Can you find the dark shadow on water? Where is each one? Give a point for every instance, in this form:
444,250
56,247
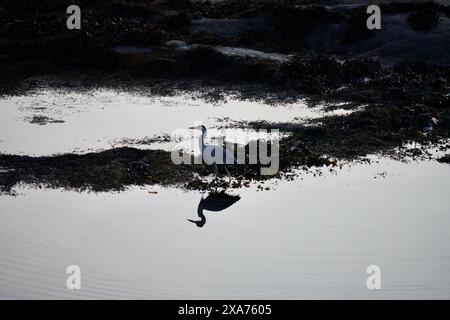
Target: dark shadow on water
215,201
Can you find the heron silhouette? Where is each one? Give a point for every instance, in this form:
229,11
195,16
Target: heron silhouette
215,201
211,152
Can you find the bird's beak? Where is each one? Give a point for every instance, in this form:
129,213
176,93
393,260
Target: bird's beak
191,128
199,223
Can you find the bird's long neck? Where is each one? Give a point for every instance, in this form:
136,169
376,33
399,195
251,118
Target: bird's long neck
200,210
200,223
200,143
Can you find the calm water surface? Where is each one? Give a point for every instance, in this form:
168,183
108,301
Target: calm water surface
312,238
100,119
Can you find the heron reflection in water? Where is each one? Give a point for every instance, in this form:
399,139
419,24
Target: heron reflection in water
215,201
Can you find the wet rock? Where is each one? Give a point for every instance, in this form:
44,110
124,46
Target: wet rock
424,20
159,138
445,159
43,120
113,169
142,36
225,9
356,28
203,59
155,67
122,8
294,23
320,73
32,40
176,20
229,28
32,6
180,4
177,44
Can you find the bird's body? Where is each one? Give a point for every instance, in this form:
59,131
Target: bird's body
213,154
216,201
216,154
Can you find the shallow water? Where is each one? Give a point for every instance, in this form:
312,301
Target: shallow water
310,238
101,119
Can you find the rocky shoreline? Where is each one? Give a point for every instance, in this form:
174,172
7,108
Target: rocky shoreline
257,49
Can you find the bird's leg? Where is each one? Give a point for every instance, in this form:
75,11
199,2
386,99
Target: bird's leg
216,169
228,173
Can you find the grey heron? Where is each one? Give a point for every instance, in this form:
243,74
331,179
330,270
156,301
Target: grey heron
211,152
215,201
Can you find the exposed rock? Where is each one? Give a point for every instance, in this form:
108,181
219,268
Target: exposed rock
445,159
424,20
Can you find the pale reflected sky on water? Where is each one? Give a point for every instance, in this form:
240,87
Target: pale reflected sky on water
312,238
